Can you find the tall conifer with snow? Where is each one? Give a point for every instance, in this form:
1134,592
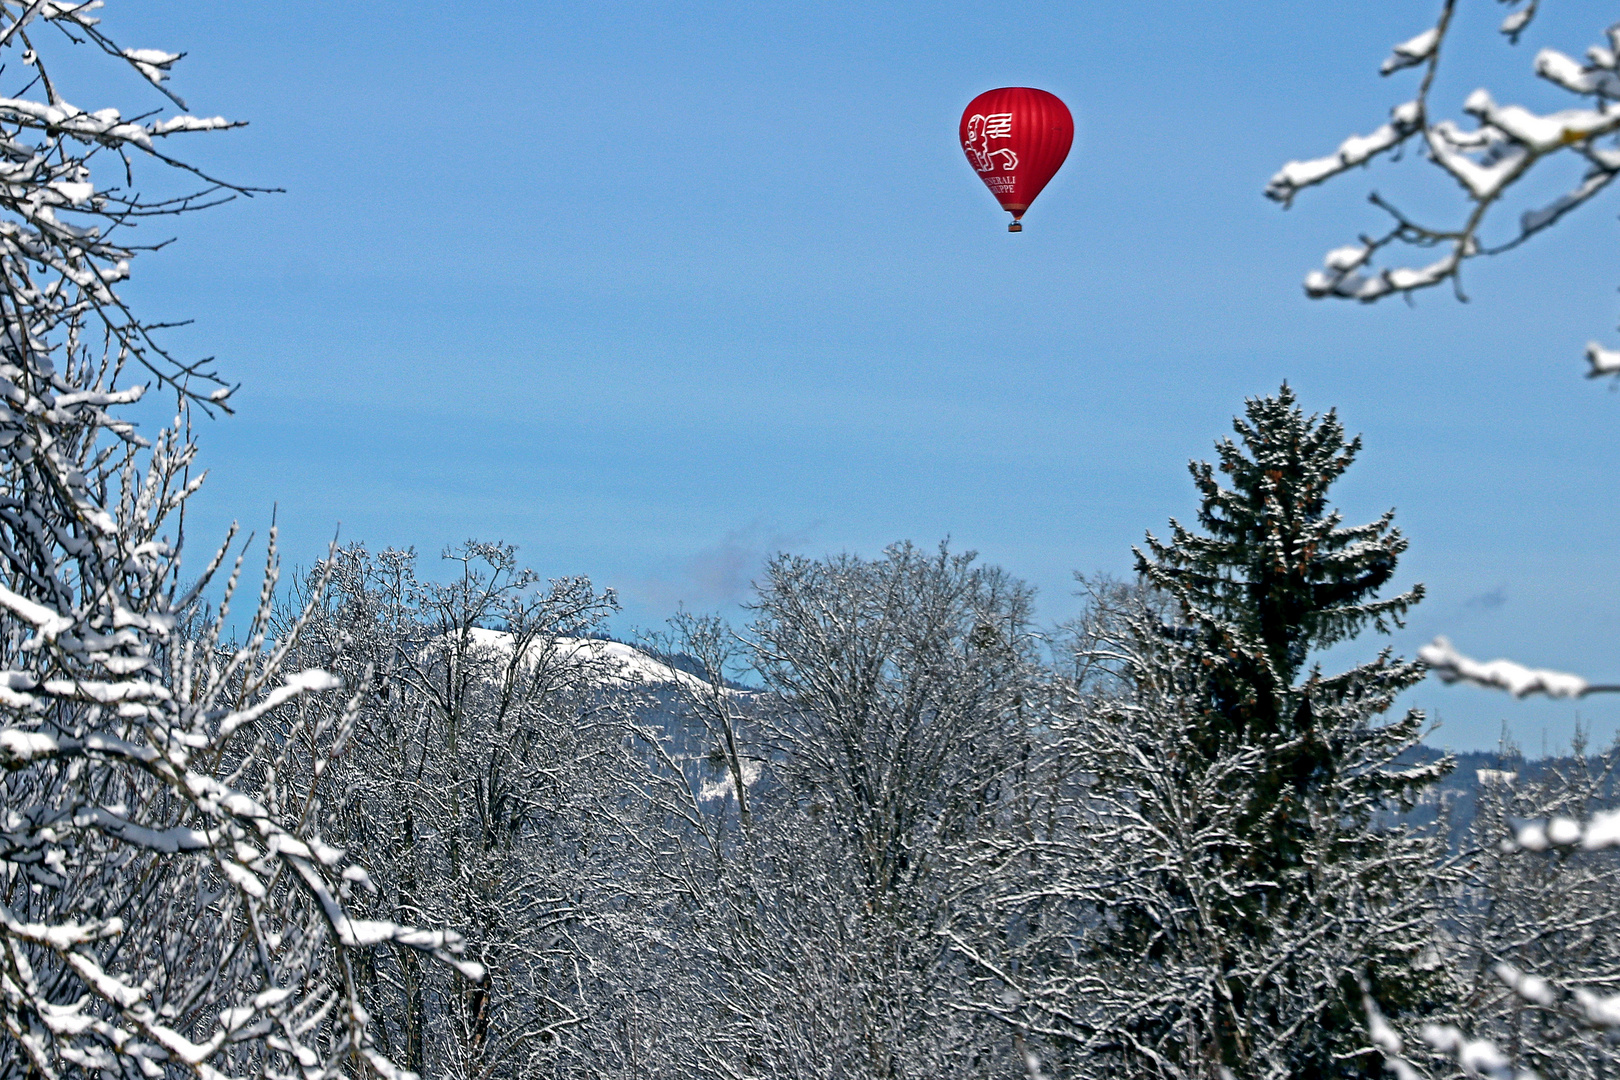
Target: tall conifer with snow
1223,876
1274,576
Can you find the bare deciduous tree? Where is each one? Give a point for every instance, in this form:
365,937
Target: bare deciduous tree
168,905
903,690
490,789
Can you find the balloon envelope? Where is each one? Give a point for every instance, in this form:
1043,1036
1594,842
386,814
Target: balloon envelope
1016,138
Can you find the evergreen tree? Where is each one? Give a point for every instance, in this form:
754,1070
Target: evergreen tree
1274,576
1223,874
1277,576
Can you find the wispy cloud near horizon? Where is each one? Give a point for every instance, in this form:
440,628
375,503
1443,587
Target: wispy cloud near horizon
723,573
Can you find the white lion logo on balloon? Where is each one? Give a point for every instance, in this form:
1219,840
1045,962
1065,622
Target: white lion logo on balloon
981,129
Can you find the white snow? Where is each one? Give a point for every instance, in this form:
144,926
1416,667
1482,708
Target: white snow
715,790
1476,1056
1413,51
1532,220
1517,21
1369,287
153,63
1603,361
74,192
1600,1011
18,746
151,56
1383,1036
1532,988
1348,258
1603,831
623,664
1450,148
1518,680
1563,831
1554,66
50,623
1404,120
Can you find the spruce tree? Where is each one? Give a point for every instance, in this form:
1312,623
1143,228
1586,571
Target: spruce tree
1218,872
1274,576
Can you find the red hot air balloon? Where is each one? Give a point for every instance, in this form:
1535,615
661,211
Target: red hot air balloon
1016,137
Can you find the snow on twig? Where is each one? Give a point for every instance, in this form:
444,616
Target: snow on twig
1412,52
1488,158
1518,680
1603,361
1405,120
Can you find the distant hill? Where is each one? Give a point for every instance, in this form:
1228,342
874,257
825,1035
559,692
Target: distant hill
1459,791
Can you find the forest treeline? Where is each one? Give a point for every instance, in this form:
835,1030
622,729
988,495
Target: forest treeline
891,828
401,821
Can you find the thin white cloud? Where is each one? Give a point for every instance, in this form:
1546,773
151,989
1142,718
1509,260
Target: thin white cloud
723,573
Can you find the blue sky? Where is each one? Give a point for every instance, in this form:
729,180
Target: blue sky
652,289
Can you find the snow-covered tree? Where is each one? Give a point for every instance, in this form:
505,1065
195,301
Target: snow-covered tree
664,874
491,788
896,704
1535,941
1222,873
1549,916
168,905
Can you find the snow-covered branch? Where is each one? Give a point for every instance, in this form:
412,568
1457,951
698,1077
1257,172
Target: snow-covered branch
1486,158
1520,681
